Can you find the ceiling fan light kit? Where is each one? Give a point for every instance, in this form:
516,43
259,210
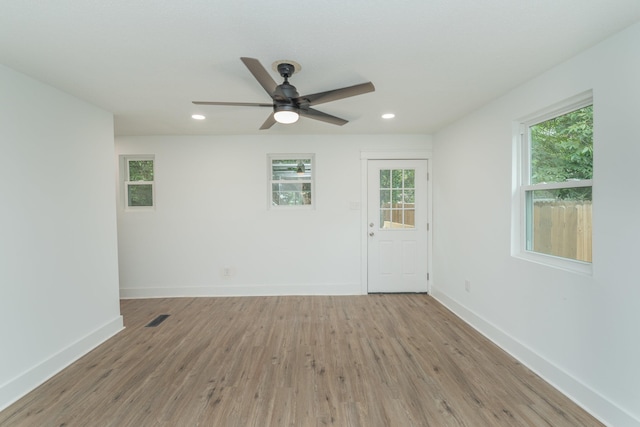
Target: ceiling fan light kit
287,104
285,114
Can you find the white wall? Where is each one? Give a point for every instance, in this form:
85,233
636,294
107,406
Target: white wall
579,332
212,199
58,260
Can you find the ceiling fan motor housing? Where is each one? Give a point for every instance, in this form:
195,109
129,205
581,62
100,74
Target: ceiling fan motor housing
289,91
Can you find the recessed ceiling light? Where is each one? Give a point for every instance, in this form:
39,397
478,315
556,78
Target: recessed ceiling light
388,116
198,117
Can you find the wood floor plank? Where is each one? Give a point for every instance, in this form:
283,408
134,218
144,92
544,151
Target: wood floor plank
357,361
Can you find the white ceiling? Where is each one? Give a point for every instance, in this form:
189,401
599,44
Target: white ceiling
432,61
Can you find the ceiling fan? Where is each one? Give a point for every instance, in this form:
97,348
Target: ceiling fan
287,104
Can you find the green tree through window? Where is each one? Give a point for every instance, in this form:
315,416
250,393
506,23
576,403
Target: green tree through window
139,184
562,150
140,170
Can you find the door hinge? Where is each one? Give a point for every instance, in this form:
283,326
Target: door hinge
427,176
427,226
427,276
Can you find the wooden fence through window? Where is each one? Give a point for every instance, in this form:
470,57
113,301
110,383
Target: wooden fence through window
563,228
398,215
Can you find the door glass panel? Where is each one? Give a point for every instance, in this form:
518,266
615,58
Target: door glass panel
397,192
385,181
385,218
396,178
409,178
385,198
409,218
409,196
396,218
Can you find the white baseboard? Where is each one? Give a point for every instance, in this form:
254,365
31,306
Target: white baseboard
19,386
590,400
242,290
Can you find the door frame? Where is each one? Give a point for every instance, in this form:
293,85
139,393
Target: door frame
365,156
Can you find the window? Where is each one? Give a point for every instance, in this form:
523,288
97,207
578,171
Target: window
139,182
291,182
397,198
556,183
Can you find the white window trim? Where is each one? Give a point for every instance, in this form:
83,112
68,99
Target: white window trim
125,165
520,188
270,180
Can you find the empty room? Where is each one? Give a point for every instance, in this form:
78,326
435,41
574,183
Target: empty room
418,213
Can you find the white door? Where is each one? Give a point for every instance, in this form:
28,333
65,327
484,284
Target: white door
397,225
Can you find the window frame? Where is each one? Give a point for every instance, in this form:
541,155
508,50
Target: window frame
128,183
522,179
270,181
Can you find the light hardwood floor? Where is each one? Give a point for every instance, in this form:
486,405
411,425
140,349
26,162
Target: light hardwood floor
375,360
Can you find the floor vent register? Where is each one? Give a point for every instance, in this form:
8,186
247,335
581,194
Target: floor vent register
155,322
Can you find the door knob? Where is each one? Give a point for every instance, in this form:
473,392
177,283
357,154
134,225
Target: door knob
371,234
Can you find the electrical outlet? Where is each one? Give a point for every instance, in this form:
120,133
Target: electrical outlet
467,285
227,272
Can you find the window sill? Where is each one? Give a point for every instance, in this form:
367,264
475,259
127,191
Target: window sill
291,207
139,208
572,266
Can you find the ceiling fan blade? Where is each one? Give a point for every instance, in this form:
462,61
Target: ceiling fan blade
334,95
236,104
268,123
323,117
262,76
